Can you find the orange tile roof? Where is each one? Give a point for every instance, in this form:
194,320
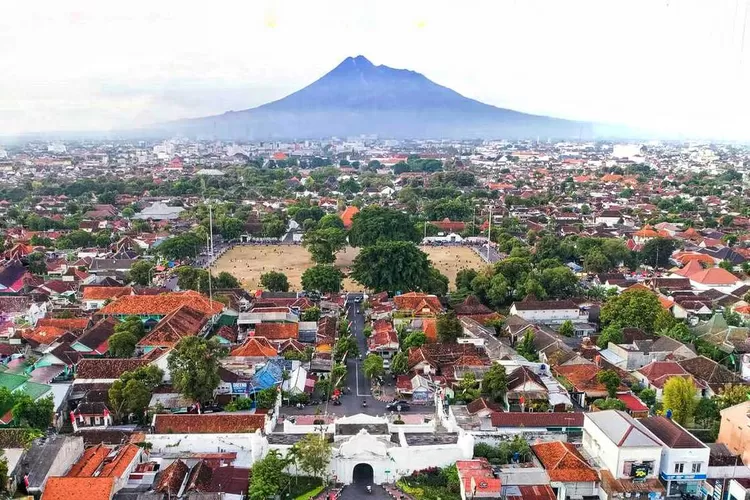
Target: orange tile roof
161,305
182,322
44,334
277,331
693,266
254,347
121,462
105,292
714,276
429,328
347,215
69,324
209,423
685,258
564,463
90,461
76,488
417,301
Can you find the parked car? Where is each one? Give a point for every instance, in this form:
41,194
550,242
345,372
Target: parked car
398,406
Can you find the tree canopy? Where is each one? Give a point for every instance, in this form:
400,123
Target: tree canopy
274,281
632,308
374,224
194,366
392,266
322,278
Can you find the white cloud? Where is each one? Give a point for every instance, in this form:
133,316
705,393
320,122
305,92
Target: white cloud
79,65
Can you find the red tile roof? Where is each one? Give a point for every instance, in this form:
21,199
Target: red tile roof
161,305
105,292
255,347
418,302
90,461
107,368
77,488
121,462
183,322
714,276
171,479
210,423
347,215
429,328
564,463
69,324
277,331
43,334
518,419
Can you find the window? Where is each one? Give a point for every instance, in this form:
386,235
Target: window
696,467
679,468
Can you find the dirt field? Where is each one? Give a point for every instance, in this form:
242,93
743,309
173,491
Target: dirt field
247,263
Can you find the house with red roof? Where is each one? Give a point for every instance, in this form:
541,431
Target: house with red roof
478,480
569,473
384,340
715,277
655,374
347,215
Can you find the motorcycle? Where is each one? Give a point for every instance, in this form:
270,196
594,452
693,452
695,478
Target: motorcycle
369,489
364,404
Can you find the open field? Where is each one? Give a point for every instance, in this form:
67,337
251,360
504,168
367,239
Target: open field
247,263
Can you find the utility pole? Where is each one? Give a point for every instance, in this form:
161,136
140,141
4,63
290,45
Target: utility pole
489,234
211,229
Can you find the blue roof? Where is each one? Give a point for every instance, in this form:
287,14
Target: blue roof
269,375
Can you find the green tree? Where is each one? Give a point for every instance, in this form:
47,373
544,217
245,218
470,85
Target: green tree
131,393
266,398
632,308
338,375
311,314
400,363
414,339
374,224
3,472
706,412
330,221
194,366
34,414
125,337
346,346
314,454
226,280
464,277
559,282
680,397
274,281
231,228
732,394
322,278
449,328
468,389
566,329
183,246
612,333
609,379
526,347
268,478
657,251
192,278
495,382
324,243
391,266
273,226
648,396
664,321
373,366
37,263
596,262
141,272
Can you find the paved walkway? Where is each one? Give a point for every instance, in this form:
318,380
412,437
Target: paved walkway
396,493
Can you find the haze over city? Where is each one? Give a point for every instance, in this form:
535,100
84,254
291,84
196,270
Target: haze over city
668,67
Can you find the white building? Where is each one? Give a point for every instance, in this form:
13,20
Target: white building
549,312
684,459
625,450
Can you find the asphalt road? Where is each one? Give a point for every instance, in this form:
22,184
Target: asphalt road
359,491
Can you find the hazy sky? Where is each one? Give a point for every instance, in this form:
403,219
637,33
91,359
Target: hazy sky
668,64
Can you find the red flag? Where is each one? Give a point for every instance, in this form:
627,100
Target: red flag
106,412
521,400
72,417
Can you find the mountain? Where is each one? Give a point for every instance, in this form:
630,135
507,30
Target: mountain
358,97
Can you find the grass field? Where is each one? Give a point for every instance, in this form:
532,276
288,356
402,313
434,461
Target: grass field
247,263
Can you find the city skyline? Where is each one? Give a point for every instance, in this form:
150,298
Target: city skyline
669,67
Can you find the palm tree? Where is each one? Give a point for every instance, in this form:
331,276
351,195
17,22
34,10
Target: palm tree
292,458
